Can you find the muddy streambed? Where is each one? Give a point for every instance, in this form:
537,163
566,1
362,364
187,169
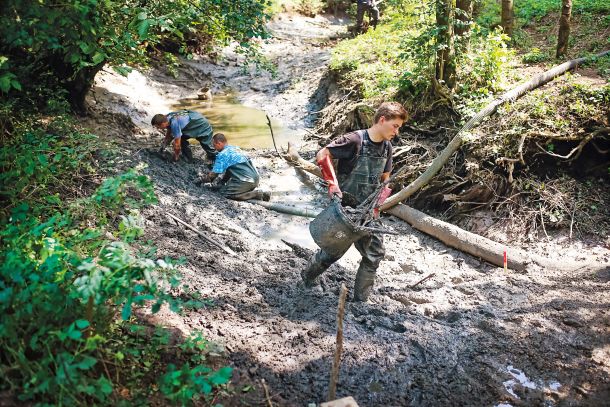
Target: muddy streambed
471,335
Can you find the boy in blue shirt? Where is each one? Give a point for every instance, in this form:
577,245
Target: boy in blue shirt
240,177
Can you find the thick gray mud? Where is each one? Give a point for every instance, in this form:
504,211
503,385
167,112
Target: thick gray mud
467,336
472,335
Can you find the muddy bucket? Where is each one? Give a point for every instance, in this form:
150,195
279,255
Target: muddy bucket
333,231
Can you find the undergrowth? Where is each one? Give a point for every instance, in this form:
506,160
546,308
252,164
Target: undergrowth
396,60
552,146
74,273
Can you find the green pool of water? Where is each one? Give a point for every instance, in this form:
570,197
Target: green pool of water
243,126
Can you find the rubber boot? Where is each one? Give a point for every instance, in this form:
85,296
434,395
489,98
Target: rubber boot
364,284
314,268
187,153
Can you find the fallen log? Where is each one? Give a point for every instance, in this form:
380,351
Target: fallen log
476,245
488,110
456,237
288,209
294,158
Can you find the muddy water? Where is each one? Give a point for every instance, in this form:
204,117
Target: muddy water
244,126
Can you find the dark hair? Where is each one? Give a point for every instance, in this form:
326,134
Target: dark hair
219,138
158,119
391,110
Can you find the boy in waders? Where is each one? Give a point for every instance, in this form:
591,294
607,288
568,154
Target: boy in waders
240,176
180,127
365,160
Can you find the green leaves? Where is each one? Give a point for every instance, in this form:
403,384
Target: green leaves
8,80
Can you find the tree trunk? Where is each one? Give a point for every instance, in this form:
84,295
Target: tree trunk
564,28
445,54
76,83
79,86
456,142
507,17
463,16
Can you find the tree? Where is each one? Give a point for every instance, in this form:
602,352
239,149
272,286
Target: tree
507,17
75,39
445,53
464,14
564,28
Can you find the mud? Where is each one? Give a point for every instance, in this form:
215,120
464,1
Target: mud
471,335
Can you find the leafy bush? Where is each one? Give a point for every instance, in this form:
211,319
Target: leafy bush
481,69
8,80
370,62
481,58
535,56
183,384
63,280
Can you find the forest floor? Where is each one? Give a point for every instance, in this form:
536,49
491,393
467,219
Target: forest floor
472,335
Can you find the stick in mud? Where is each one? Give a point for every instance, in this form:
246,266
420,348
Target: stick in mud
200,233
272,136
334,374
422,280
266,389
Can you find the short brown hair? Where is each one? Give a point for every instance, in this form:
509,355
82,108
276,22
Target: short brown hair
158,119
391,110
219,138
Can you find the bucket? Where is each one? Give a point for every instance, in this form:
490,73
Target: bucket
333,231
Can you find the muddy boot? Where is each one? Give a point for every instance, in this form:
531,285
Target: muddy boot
263,196
313,270
363,285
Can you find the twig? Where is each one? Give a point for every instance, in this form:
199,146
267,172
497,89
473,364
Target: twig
576,150
272,137
204,236
422,280
334,373
266,393
572,219
543,227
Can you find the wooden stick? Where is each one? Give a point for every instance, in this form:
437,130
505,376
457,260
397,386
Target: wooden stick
272,136
334,374
422,280
204,236
266,392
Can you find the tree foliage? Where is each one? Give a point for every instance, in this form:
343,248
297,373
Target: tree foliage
74,39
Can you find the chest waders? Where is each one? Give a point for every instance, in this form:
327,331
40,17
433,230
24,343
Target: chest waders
366,175
356,187
243,179
198,128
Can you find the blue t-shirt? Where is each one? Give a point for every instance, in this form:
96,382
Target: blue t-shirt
230,155
177,123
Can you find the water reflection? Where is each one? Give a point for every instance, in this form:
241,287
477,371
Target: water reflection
244,126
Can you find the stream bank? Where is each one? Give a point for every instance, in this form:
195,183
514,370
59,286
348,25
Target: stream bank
472,335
